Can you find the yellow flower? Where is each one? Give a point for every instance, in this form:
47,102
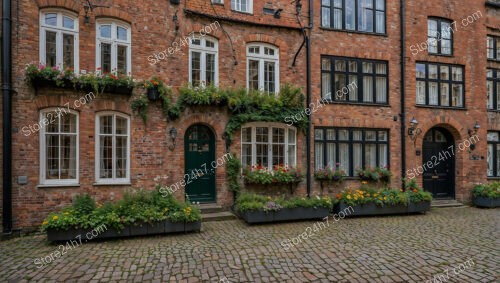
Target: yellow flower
385,198
45,223
364,182
55,217
348,197
166,209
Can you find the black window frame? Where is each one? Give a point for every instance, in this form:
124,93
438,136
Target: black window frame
356,15
359,76
496,81
439,39
450,81
352,171
494,156
496,46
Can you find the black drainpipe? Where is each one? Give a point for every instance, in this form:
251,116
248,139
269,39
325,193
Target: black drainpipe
403,110
7,114
308,99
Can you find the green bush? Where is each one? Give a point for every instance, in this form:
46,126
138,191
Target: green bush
491,190
254,202
385,196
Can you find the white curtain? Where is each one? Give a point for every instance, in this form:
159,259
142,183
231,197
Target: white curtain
330,155
433,93
344,157
367,89
318,155
381,89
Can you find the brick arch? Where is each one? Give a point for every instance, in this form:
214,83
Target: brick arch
67,4
453,126
112,13
197,27
264,38
202,119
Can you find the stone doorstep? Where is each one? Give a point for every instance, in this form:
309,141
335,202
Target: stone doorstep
217,216
443,203
210,208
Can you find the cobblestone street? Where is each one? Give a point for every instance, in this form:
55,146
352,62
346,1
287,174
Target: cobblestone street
453,244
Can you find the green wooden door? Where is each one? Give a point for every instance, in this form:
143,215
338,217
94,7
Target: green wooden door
199,150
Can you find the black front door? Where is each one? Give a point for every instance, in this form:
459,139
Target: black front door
439,163
199,151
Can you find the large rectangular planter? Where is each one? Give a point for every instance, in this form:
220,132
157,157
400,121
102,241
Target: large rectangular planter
420,207
192,226
137,229
486,202
285,214
369,209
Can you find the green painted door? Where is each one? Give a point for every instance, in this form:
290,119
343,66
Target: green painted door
199,150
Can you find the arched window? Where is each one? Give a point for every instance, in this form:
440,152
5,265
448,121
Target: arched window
263,68
268,144
59,39
203,60
112,148
58,147
113,47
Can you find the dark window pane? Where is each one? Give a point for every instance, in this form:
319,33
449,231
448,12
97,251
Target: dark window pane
122,59
105,57
68,51
50,48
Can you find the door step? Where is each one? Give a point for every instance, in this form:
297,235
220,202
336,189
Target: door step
210,208
439,203
217,216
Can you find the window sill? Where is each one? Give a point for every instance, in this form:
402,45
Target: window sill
41,186
112,184
441,55
441,107
493,178
493,60
354,31
494,111
242,12
357,103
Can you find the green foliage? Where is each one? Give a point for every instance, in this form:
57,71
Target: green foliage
281,174
135,207
490,190
255,202
233,167
140,105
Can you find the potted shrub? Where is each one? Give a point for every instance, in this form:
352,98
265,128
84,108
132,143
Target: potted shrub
419,200
375,174
330,175
281,175
486,195
154,87
40,75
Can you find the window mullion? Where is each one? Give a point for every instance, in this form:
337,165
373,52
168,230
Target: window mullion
113,148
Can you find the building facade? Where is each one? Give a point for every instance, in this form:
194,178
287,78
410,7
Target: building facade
374,66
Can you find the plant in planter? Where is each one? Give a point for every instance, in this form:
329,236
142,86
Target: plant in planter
280,175
486,195
330,175
39,75
375,174
155,88
257,208
140,106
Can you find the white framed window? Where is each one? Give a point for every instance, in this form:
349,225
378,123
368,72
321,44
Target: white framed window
59,39
203,60
112,148
113,47
263,68
218,1
268,144
245,6
59,147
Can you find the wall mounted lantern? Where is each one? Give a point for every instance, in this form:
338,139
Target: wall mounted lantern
414,131
89,7
173,136
473,131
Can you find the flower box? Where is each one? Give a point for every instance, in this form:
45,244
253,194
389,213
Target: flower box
138,229
156,228
174,227
55,235
486,202
111,232
153,94
192,226
373,209
285,214
420,207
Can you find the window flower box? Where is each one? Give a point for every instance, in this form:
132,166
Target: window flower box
486,195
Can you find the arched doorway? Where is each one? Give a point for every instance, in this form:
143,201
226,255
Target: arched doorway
439,163
199,155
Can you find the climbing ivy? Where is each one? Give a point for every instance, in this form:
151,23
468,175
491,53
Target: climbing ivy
233,167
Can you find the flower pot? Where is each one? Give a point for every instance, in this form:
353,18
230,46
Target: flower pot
114,233
55,235
283,214
192,226
486,202
138,229
156,228
174,227
153,94
369,209
419,207
315,213
126,90
257,216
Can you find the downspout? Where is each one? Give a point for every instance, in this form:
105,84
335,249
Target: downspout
7,114
308,99
403,77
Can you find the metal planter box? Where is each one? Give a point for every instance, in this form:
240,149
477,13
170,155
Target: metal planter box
421,207
138,229
174,227
370,209
55,235
192,226
156,228
486,202
257,216
285,214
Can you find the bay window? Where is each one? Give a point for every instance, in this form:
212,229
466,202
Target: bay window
59,39
350,149
263,68
113,47
203,61
268,145
112,148
58,147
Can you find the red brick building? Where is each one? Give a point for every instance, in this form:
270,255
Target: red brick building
442,65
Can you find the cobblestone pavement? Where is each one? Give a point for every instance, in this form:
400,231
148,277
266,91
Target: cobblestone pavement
451,245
